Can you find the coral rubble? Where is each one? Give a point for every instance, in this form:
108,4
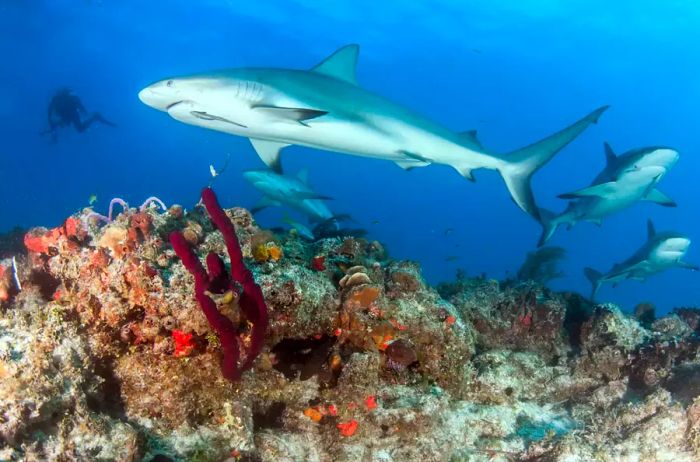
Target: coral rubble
107,354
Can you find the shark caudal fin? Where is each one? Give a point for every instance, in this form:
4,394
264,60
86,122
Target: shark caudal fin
549,223
519,166
594,278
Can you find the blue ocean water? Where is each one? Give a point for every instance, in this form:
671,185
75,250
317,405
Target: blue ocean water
514,70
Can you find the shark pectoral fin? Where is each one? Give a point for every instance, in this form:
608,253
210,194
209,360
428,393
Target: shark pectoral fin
269,152
690,266
660,198
264,203
289,114
303,195
603,189
471,140
341,64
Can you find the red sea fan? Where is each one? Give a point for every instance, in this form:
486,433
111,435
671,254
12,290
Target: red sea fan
215,279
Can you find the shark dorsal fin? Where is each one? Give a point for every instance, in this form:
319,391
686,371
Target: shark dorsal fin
470,136
341,64
303,176
610,156
650,229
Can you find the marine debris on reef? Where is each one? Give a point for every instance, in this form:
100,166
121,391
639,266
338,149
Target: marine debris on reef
105,354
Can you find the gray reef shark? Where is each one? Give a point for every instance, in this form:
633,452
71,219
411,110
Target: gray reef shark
626,179
325,108
661,251
290,191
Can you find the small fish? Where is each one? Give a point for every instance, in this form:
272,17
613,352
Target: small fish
448,231
375,222
92,199
214,172
451,258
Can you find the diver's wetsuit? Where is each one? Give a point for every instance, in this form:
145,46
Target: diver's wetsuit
66,109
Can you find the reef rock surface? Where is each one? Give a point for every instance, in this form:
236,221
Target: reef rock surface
105,355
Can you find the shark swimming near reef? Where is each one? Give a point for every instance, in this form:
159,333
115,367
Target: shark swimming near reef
626,179
325,108
293,192
661,251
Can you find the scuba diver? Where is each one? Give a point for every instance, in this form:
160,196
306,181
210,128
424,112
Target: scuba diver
66,109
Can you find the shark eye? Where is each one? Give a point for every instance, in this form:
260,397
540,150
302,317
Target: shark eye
169,83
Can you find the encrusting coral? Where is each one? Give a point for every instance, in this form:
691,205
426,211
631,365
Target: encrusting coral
113,347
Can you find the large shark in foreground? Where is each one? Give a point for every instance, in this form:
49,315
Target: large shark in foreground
661,251
293,192
324,108
626,179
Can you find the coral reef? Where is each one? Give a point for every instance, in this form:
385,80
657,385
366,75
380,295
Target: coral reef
111,342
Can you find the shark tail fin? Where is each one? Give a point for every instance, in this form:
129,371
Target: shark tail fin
594,277
519,166
549,223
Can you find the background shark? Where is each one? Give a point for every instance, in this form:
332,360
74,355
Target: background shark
324,108
661,251
290,191
626,179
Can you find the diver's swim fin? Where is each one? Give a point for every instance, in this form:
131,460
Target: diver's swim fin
98,118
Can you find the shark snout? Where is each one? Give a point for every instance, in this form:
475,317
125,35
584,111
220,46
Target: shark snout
678,244
665,157
673,249
160,95
254,176
658,157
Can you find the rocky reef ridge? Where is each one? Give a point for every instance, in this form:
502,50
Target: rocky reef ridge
105,355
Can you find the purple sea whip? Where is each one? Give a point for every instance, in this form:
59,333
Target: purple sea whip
215,280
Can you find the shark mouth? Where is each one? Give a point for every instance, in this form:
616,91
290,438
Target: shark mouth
170,106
